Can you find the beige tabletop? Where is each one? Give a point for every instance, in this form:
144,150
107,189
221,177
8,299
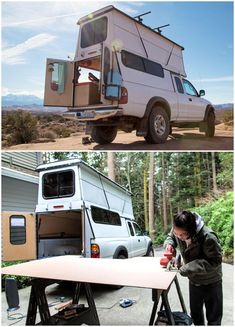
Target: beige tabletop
137,272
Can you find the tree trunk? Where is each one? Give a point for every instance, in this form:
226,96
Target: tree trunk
215,188
111,165
145,201
151,197
164,202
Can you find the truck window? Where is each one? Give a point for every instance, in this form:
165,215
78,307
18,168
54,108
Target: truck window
133,61
17,230
94,32
131,229
138,230
59,184
103,216
179,85
189,88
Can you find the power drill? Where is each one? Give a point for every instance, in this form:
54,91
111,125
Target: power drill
168,255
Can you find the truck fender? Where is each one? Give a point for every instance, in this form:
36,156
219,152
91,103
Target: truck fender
208,109
120,250
143,126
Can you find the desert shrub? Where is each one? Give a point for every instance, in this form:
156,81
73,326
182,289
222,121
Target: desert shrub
49,135
21,127
62,131
228,118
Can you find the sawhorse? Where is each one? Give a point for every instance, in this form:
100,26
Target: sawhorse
38,301
163,294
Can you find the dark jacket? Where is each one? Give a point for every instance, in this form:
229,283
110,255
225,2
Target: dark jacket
202,258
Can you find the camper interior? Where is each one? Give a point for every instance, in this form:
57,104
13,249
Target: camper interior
59,233
87,82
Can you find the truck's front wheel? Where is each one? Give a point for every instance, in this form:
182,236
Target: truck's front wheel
104,134
158,126
210,125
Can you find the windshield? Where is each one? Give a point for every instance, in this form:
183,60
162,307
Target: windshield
94,32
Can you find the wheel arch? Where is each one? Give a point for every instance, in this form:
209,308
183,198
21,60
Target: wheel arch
120,250
150,105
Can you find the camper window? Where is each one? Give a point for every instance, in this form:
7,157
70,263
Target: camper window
103,216
17,230
133,61
58,184
94,32
179,85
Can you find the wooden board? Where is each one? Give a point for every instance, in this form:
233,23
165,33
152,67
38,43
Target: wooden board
137,272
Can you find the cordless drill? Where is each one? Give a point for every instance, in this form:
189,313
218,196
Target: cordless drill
167,256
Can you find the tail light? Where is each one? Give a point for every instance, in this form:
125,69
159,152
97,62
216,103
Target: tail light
124,96
95,251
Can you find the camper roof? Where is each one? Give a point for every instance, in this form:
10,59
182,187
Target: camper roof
74,162
106,9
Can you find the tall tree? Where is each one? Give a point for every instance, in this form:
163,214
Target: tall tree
215,188
164,193
111,165
151,197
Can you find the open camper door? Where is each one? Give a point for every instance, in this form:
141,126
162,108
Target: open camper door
18,236
59,83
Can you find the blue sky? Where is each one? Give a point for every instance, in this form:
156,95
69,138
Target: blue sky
35,30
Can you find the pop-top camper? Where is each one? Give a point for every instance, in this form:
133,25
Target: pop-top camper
80,212
127,76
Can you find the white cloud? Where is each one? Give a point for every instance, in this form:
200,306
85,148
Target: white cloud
38,93
215,79
14,55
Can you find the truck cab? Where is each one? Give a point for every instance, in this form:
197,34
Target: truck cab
126,76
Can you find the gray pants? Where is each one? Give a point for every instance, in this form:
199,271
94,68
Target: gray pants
212,296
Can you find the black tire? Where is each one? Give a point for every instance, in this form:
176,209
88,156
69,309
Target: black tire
158,126
150,252
104,134
210,124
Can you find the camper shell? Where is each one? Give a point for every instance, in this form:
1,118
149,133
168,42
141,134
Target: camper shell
80,212
125,75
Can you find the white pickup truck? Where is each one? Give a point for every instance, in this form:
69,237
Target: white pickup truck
126,76
79,212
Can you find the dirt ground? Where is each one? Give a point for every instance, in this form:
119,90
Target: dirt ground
181,139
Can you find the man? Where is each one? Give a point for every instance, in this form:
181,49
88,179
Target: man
201,252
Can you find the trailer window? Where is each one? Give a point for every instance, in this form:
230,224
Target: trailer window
133,61
17,230
103,216
59,184
94,32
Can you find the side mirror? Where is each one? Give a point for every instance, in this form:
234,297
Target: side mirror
202,93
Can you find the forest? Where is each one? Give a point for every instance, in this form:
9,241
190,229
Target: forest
164,183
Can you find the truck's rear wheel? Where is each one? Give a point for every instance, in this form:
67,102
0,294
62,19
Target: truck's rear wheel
104,134
210,125
158,126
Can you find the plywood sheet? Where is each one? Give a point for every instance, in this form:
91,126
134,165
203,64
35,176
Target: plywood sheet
138,272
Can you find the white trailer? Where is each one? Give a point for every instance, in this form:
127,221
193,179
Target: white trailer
126,76
80,212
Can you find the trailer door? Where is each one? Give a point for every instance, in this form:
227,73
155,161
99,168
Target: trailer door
18,236
59,83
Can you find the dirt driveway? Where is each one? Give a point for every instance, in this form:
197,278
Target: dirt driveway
181,139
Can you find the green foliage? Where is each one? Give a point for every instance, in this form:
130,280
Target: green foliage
21,127
22,281
218,215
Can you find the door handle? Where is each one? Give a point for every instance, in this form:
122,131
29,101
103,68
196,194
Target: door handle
139,240
190,99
